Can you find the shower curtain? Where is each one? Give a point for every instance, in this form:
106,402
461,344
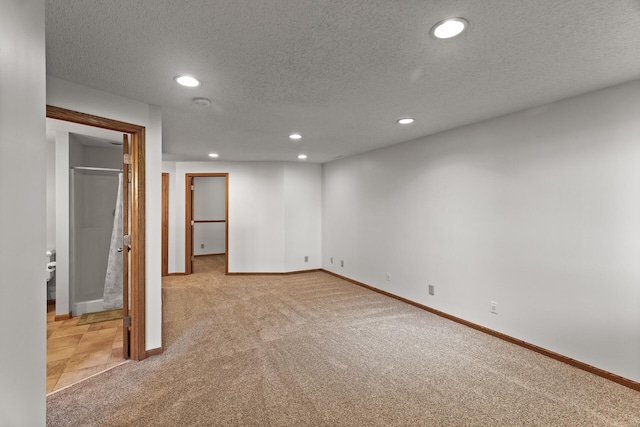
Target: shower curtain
113,279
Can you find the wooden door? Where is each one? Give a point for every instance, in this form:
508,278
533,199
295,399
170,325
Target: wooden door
126,247
165,224
136,222
191,226
190,222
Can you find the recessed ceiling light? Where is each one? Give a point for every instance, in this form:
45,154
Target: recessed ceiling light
295,136
406,121
203,102
302,156
449,28
187,81
214,155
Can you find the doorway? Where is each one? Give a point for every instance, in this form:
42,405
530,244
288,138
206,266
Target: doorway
207,216
133,247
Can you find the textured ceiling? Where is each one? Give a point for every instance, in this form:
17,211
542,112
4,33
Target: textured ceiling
340,72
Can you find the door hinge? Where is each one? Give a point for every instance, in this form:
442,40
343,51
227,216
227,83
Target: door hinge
127,321
126,159
192,187
193,223
126,240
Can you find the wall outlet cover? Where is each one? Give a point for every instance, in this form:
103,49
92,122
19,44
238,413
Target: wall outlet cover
494,307
432,290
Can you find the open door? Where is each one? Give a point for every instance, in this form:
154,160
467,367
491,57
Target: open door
190,225
191,221
165,224
134,261
126,246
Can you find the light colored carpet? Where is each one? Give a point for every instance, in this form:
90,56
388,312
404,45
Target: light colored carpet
313,350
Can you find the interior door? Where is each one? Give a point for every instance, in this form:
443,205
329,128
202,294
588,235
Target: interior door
190,216
165,224
126,247
136,289
192,225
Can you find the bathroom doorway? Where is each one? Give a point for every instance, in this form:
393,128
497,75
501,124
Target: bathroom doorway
132,247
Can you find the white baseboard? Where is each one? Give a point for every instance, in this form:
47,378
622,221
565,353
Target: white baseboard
83,307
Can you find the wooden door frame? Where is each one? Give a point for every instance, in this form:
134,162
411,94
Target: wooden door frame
188,211
138,217
165,224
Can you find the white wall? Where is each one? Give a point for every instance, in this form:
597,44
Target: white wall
76,151
154,228
22,213
302,216
258,231
209,203
63,149
51,193
68,95
538,211
102,157
209,238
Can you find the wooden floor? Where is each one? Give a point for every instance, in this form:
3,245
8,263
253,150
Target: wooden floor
78,352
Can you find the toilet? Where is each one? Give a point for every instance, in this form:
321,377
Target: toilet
51,264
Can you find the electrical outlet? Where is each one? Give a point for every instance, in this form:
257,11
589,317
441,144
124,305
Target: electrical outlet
494,307
341,263
306,259
201,245
432,290
388,276
331,260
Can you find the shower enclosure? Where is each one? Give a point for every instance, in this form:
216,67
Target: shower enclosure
95,235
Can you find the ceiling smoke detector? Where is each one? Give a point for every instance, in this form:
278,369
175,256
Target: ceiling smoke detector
203,102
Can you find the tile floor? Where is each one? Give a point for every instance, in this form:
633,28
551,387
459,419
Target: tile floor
78,352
